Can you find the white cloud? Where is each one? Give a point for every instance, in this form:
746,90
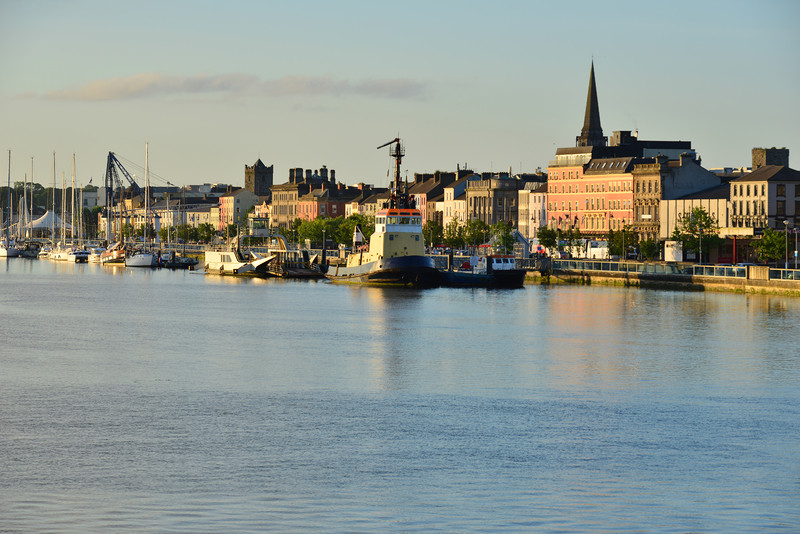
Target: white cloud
156,84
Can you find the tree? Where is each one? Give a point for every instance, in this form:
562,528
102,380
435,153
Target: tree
476,232
347,228
502,234
771,246
548,238
697,230
452,234
433,233
649,249
206,232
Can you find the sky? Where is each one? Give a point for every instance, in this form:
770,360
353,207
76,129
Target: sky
214,86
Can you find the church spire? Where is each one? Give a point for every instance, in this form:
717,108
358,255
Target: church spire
592,132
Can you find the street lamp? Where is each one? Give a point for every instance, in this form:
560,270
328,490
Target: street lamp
786,233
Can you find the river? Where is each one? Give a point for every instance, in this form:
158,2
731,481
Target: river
160,401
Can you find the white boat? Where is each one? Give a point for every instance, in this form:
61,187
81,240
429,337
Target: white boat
95,253
234,262
141,258
8,251
70,254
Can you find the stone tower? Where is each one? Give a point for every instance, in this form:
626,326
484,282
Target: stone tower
258,178
592,132
770,156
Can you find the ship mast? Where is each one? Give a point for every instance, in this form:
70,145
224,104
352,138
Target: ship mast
400,198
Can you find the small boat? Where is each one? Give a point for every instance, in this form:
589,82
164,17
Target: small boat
115,254
69,254
173,261
141,258
95,253
236,262
492,271
8,250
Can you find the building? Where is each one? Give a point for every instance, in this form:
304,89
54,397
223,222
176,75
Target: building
593,186
765,198
493,198
532,212
427,189
233,205
258,178
454,203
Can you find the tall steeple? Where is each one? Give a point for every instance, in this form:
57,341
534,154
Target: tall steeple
592,132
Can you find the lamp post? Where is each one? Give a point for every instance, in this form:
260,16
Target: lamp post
786,233
796,231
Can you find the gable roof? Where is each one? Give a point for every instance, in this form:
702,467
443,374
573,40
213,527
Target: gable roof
770,173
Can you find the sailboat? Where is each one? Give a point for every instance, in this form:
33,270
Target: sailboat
144,258
7,249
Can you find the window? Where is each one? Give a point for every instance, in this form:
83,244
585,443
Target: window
781,209
748,190
781,190
762,190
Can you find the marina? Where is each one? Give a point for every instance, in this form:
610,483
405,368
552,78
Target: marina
240,403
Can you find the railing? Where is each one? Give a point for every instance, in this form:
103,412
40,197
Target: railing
784,274
621,266
738,271
717,271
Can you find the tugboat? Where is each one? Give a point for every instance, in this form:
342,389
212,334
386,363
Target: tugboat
396,253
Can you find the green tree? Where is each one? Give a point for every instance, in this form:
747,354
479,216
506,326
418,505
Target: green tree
453,234
127,231
344,234
771,246
232,230
548,238
476,232
206,232
433,233
621,242
503,239
649,249
697,231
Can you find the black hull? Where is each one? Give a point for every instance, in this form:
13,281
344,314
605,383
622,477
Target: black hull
403,271
506,279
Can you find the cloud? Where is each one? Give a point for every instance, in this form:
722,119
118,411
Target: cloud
148,85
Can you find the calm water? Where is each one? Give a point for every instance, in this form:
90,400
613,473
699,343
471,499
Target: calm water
137,400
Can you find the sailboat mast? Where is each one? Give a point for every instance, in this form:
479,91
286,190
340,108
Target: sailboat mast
53,222
146,189
63,208
23,216
31,197
72,202
8,206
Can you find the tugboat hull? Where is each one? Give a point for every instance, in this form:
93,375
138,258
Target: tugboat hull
406,271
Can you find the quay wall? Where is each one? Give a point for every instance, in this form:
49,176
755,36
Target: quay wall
754,284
